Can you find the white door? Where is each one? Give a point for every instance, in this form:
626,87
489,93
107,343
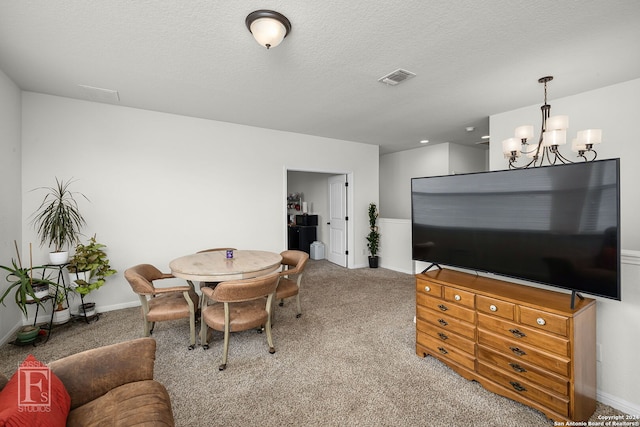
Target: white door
337,251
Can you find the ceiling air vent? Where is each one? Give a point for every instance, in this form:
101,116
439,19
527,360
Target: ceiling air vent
396,77
98,94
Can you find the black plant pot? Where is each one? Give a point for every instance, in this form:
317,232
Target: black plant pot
373,261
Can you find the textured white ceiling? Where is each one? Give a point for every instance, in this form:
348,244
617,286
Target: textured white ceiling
196,58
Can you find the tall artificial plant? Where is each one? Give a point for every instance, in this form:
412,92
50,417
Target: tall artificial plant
58,220
373,238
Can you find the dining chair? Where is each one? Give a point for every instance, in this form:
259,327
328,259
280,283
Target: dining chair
159,304
243,307
213,284
293,263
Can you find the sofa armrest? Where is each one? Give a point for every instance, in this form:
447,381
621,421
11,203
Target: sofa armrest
92,373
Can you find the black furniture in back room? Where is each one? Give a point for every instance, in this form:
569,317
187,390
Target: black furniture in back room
303,233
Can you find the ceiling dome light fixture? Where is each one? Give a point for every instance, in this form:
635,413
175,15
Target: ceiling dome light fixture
269,28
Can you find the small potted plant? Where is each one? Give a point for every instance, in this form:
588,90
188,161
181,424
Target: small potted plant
89,267
58,220
61,314
373,238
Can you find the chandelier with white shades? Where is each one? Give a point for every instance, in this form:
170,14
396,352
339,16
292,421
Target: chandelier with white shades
553,134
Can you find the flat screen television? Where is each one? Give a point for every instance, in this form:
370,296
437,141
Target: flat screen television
555,225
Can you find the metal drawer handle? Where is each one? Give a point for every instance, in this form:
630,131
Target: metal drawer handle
493,308
457,297
442,350
516,333
517,386
443,307
442,322
517,351
541,321
442,336
427,289
517,367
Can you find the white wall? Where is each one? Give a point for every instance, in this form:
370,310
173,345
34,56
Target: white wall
10,194
162,185
465,159
397,169
395,244
615,109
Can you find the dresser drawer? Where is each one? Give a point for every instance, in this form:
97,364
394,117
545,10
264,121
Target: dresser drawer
548,361
446,322
429,288
460,297
446,351
545,321
528,390
496,307
521,369
519,333
446,307
464,344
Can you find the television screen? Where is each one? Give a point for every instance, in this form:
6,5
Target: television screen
556,225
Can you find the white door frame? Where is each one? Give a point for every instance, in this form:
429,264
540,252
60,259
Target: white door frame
351,262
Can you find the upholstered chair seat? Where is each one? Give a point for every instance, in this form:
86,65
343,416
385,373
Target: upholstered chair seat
169,306
243,316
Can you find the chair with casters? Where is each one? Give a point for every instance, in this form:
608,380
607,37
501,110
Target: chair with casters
293,263
213,284
238,305
158,304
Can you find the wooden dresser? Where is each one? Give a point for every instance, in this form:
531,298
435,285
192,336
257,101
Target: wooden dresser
521,342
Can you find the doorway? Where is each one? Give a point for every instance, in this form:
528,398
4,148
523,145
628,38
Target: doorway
325,195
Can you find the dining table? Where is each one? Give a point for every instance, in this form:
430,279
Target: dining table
216,266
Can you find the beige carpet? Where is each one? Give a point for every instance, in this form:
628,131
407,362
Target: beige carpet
348,361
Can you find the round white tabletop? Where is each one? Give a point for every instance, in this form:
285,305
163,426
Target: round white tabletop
216,267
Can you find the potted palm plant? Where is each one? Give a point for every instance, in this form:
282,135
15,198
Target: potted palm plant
373,238
89,268
58,220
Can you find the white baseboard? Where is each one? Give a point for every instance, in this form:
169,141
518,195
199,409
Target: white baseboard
10,335
617,403
394,268
105,308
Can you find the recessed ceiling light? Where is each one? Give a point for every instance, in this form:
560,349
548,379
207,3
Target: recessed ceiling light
424,141
470,128
486,136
